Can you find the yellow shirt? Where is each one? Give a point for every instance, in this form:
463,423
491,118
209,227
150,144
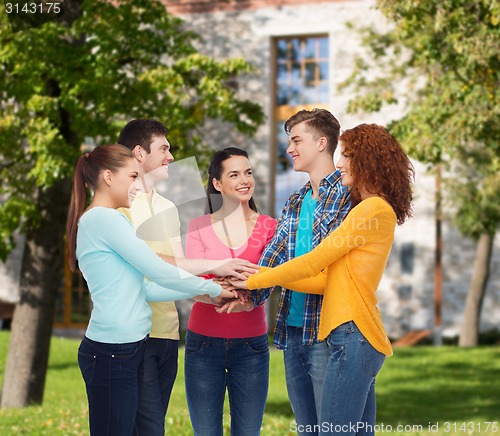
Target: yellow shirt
346,267
157,222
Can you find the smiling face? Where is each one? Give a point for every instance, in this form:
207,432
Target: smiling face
236,181
158,156
120,183
304,147
343,165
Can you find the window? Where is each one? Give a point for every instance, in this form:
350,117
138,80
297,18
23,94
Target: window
73,303
301,82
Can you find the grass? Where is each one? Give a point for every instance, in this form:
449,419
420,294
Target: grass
420,389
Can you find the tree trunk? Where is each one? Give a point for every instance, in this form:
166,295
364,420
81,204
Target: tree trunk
41,279
472,313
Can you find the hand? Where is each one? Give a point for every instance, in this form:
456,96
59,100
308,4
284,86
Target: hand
238,268
243,295
241,284
226,294
222,281
235,307
216,301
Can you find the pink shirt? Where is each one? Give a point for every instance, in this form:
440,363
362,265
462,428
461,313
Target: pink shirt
203,243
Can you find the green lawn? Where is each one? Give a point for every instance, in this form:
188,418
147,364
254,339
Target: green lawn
456,391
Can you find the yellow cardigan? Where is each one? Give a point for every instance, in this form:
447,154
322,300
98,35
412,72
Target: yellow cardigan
346,267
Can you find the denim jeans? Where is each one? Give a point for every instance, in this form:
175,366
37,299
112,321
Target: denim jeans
349,405
160,370
214,364
305,367
112,375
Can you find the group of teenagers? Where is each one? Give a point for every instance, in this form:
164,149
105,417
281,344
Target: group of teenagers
326,252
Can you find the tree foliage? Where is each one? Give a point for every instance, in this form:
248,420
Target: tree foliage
446,55
82,76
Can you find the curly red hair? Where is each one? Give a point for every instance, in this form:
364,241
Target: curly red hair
379,165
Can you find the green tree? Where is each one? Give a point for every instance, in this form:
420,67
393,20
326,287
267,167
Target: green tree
446,55
82,76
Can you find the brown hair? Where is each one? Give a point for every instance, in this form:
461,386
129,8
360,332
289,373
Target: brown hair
380,166
88,167
141,132
321,123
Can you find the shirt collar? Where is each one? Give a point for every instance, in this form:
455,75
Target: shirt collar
331,180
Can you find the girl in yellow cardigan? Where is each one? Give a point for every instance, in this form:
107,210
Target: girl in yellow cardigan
347,268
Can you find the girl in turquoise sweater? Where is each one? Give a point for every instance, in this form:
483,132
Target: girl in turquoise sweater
122,274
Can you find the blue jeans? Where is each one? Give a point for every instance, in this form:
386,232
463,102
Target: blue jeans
214,364
160,370
349,405
305,367
112,375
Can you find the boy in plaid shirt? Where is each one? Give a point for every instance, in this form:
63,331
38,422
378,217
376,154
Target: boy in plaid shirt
307,218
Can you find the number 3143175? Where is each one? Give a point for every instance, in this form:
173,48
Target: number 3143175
33,8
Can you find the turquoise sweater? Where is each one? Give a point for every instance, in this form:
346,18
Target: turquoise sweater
115,262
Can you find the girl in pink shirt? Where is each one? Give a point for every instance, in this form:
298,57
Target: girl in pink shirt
228,350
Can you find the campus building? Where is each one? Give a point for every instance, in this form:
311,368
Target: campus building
302,51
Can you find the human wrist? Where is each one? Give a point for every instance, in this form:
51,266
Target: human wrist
250,282
217,292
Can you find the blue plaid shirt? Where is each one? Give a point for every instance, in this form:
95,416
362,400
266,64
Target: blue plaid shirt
331,208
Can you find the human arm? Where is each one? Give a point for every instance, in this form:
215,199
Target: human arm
155,293
115,231
359,229
200,249
229,292
274,253
220,267
309,285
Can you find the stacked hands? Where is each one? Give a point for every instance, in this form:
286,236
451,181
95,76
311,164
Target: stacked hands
235,296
